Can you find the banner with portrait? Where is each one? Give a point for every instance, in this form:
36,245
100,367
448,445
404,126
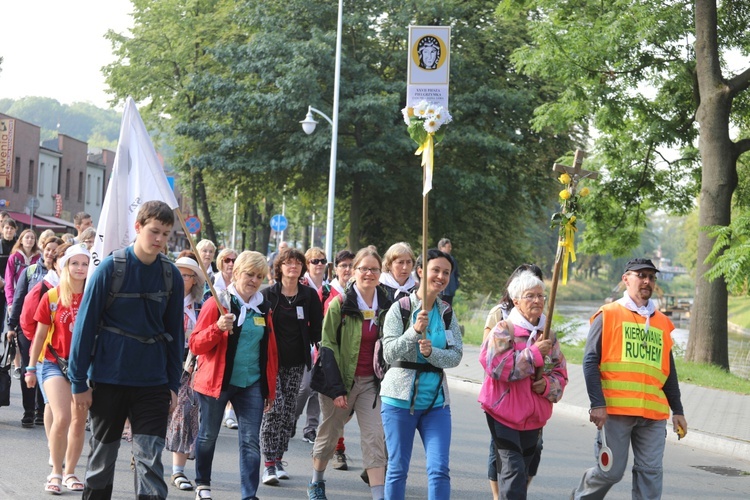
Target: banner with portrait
429,65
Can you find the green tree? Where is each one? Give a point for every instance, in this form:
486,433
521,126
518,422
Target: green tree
608,55
492,171
166,48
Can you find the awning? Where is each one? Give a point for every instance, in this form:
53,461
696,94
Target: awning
56,220
37,222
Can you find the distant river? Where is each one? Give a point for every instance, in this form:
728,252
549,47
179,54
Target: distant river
577,316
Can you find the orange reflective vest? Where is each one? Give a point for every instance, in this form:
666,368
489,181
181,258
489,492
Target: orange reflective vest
635,362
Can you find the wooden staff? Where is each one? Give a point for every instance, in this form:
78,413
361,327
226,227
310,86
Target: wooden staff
423,283
177,211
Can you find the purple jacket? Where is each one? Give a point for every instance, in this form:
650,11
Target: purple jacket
506,393
16,265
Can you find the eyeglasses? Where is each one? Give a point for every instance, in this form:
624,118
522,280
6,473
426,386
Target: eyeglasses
365,270
532,298
318,261
227,260
345,266
188,276
644,276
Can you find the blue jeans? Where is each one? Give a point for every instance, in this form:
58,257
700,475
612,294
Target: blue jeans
434,427
248,405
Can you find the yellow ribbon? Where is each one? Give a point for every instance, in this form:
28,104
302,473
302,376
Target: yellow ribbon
427,150
567,242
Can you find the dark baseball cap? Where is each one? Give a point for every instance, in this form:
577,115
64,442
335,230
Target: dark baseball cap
638,264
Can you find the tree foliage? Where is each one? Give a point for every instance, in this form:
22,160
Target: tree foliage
227,83
652,78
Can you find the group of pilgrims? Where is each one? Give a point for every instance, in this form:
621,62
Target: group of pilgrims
363,334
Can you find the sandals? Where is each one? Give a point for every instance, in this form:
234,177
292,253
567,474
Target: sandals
206,490
54,488
72,483
182,482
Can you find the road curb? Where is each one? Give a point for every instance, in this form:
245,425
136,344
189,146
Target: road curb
695,438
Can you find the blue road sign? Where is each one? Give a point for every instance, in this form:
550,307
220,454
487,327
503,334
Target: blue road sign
279,222
193,224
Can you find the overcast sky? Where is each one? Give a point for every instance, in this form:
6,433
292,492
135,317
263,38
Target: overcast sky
54,48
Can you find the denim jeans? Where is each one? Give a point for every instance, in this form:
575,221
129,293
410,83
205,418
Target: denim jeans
248,405
434,427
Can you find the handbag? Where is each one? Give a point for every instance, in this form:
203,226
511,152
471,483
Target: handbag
62,363
6,362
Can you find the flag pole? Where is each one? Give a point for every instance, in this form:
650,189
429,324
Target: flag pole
177,211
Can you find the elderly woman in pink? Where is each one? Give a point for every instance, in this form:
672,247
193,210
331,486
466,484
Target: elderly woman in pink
516,403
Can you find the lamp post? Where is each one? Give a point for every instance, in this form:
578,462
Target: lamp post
308,125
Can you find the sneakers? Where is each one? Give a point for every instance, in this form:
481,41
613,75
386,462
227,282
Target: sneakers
27,422
281,473
231,423
39,419
339,461
17,373
269,476
310,436
317,490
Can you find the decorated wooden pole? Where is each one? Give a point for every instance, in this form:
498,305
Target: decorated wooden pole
565,221
426,111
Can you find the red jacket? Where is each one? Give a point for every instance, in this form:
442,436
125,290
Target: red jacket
211,345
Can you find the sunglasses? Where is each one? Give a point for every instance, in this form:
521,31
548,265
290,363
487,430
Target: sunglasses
227,260
318,261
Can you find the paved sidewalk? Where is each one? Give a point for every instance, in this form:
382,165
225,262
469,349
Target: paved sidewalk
716,419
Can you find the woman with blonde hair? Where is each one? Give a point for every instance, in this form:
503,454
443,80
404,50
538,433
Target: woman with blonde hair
225,263
237,362
316,261
56,316
398,263
34,274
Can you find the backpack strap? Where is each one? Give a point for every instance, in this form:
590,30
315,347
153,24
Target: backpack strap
343,320
118,277
405,303
53,299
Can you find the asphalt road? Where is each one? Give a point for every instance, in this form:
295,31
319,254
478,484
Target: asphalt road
568,451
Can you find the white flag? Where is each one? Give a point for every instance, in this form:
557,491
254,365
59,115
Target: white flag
137,177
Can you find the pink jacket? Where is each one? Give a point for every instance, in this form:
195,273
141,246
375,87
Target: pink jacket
506,393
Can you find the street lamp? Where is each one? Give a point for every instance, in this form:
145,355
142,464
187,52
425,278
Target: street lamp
308,125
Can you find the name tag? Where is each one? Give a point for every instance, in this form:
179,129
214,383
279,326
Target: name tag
300,312
449,340
368,314
259,321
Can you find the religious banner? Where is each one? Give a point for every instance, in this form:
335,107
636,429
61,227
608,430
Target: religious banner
7,129
428,73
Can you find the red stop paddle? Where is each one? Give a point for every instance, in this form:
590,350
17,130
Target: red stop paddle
605,454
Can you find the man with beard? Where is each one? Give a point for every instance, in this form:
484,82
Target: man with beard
632,384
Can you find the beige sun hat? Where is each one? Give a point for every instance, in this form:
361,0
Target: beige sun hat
188,263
